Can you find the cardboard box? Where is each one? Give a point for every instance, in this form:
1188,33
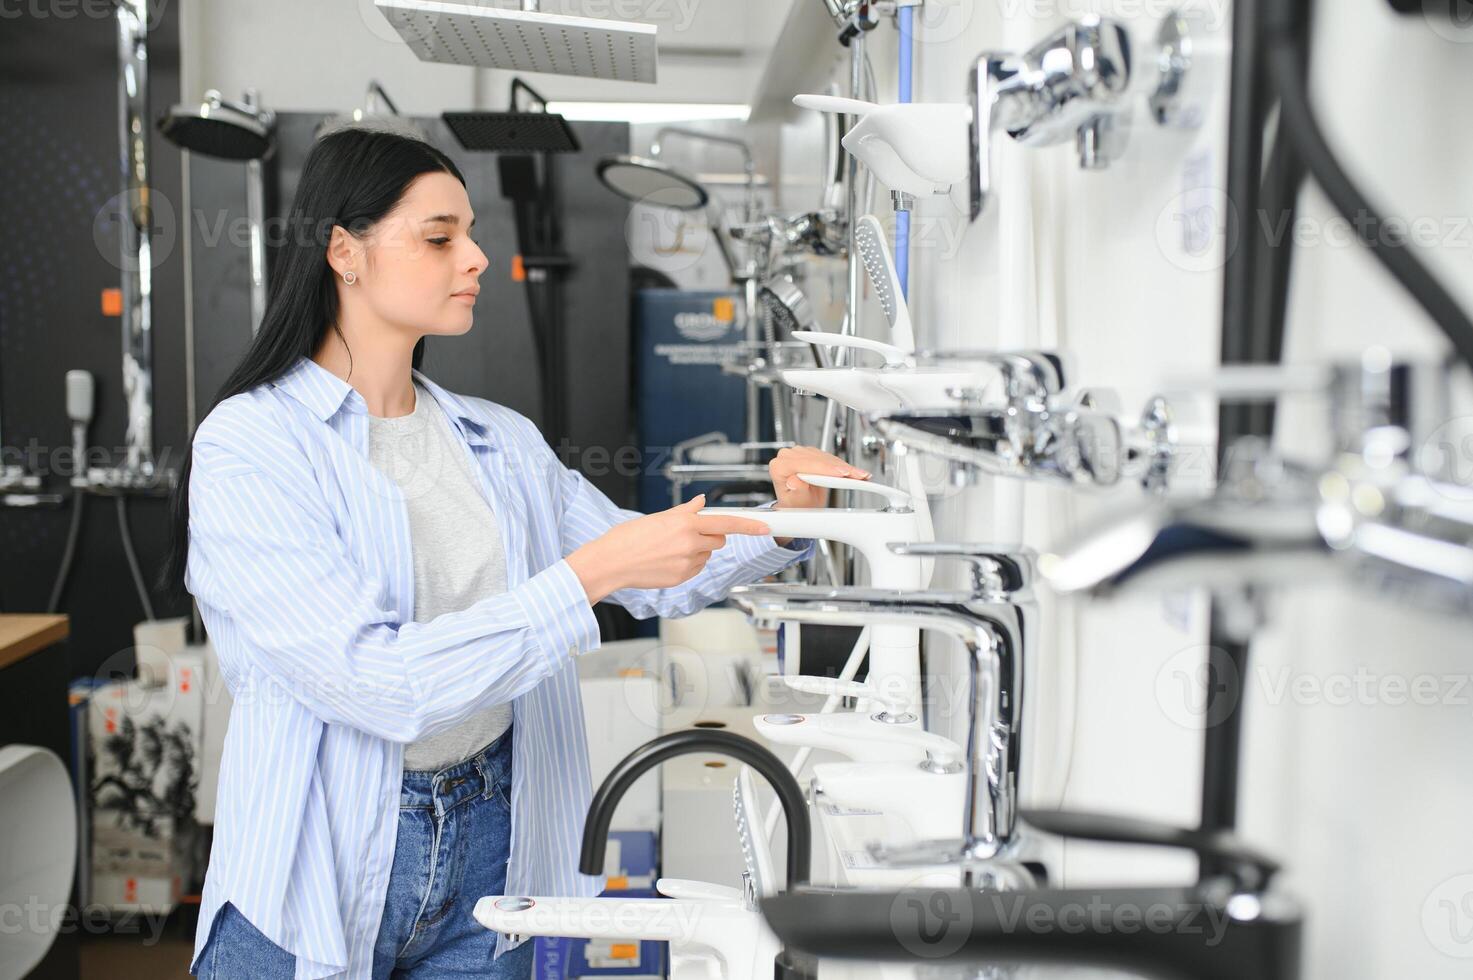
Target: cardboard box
143,762
623,702
565,959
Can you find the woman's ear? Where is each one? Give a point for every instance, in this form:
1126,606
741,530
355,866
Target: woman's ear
343,251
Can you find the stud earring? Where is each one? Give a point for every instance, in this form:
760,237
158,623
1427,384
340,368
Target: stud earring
350,277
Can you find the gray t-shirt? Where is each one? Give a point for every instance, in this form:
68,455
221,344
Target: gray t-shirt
456,541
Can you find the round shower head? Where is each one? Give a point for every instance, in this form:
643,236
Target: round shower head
378,114
218,128
372,122
646,181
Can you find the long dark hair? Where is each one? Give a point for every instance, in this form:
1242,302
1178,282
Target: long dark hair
352,178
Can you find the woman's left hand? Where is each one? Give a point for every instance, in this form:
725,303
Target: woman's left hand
791,491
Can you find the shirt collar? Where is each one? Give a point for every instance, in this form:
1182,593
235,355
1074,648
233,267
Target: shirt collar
325,394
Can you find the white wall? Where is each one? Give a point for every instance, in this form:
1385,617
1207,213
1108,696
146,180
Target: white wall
1364,802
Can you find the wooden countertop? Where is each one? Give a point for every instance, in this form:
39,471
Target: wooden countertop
22,634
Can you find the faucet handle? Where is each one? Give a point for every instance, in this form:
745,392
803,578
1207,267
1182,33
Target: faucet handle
894,356
995,568
831,687
1257,382
835,104
697,891
1252,868
1071,85
986,81
899,499
1036,374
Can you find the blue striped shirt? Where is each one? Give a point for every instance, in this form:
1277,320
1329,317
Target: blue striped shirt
300,561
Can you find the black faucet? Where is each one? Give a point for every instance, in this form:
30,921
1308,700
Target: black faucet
1224,928
787,965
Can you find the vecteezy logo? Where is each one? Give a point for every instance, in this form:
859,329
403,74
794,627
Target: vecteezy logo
940,21
1198,230
1447,457
149,215
1450,19
1198,687
1447,917
663,237
662,678
930,922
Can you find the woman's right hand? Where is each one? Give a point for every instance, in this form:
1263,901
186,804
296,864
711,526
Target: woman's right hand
656,551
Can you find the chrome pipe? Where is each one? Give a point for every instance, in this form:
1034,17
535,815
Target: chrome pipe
136,221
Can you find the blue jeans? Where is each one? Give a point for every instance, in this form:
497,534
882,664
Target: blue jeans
452,848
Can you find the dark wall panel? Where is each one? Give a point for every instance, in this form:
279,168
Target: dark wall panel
60,174
497,358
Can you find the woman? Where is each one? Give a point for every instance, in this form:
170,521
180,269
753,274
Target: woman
396,580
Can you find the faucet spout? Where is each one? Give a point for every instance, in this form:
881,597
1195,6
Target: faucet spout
1222,544
1069,445
994,634
658,750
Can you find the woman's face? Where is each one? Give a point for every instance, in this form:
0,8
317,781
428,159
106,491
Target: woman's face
418,267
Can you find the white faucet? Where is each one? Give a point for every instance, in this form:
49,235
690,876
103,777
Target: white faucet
711,935
898,383
886,742
894,654
920,148
715,932
916,802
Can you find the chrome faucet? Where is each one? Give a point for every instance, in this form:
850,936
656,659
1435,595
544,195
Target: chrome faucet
994,620
1374,510
1071,85
1077,84
1038,431
1259,528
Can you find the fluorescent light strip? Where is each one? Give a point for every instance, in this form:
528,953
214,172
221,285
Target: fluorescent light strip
638,112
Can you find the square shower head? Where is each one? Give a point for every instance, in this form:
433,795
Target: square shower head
522,40
512,132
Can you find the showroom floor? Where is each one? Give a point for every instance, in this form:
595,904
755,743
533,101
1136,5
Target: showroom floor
130,957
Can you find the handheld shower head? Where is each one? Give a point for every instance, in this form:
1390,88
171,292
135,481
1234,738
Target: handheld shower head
756,854
869,237
80,391
80,395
